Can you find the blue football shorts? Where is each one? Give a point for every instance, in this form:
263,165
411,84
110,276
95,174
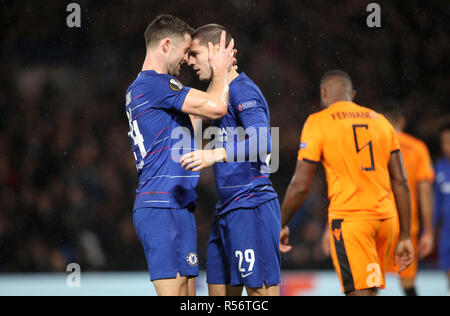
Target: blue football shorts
169,238
243,248
444,251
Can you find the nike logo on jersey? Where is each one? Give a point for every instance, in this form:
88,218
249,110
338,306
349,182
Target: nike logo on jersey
246,275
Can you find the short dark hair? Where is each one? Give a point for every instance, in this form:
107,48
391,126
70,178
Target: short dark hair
444,128
336,73
165,25
211,33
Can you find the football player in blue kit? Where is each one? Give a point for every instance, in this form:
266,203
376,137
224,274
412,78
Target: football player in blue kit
243,248
158,108
442,202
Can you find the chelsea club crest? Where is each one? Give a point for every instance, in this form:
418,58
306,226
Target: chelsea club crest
192,259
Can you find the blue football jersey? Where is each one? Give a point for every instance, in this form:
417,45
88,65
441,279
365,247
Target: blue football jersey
160,134
243,181
442,196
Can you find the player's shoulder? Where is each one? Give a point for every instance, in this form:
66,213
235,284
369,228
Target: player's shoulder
149,80
319,116
242,87
372,114
412,140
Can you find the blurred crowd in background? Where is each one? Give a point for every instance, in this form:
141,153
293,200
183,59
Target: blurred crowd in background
67,173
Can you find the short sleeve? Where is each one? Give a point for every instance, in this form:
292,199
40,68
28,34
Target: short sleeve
252,112
248,104
395,145
168,93
311,142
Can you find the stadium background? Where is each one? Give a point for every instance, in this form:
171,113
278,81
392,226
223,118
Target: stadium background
67,174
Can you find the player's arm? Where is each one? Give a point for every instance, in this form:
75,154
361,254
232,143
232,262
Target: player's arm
400,187
197,124
404,253
296,194
213,104
297,190
425,193
200,159
256,145
425,176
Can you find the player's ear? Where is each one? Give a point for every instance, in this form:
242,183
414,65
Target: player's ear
353,94
165,44
323,92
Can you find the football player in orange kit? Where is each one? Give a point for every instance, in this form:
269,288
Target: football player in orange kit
361,156
420,174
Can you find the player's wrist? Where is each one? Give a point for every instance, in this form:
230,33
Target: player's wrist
220,155
404,236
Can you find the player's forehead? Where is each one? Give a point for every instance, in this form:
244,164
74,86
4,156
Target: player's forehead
184,42
197,46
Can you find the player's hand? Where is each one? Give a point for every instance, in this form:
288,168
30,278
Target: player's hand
284,240
200,159
404,254
326,248
426,244
235,66
222,59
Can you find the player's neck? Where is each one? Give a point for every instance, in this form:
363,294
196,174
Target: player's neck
152,62
232,74
339,99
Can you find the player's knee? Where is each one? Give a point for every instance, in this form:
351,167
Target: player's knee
172,287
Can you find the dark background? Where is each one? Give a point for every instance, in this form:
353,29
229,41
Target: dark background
67,174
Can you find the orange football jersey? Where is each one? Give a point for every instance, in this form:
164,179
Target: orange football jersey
354,144
418,166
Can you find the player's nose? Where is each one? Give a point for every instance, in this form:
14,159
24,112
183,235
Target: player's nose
191,61
186,57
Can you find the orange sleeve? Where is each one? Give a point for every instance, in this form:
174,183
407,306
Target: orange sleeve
425,171
395,145
311,142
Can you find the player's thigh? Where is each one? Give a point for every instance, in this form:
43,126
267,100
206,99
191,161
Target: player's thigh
253,237
355,255
273,290
172,287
